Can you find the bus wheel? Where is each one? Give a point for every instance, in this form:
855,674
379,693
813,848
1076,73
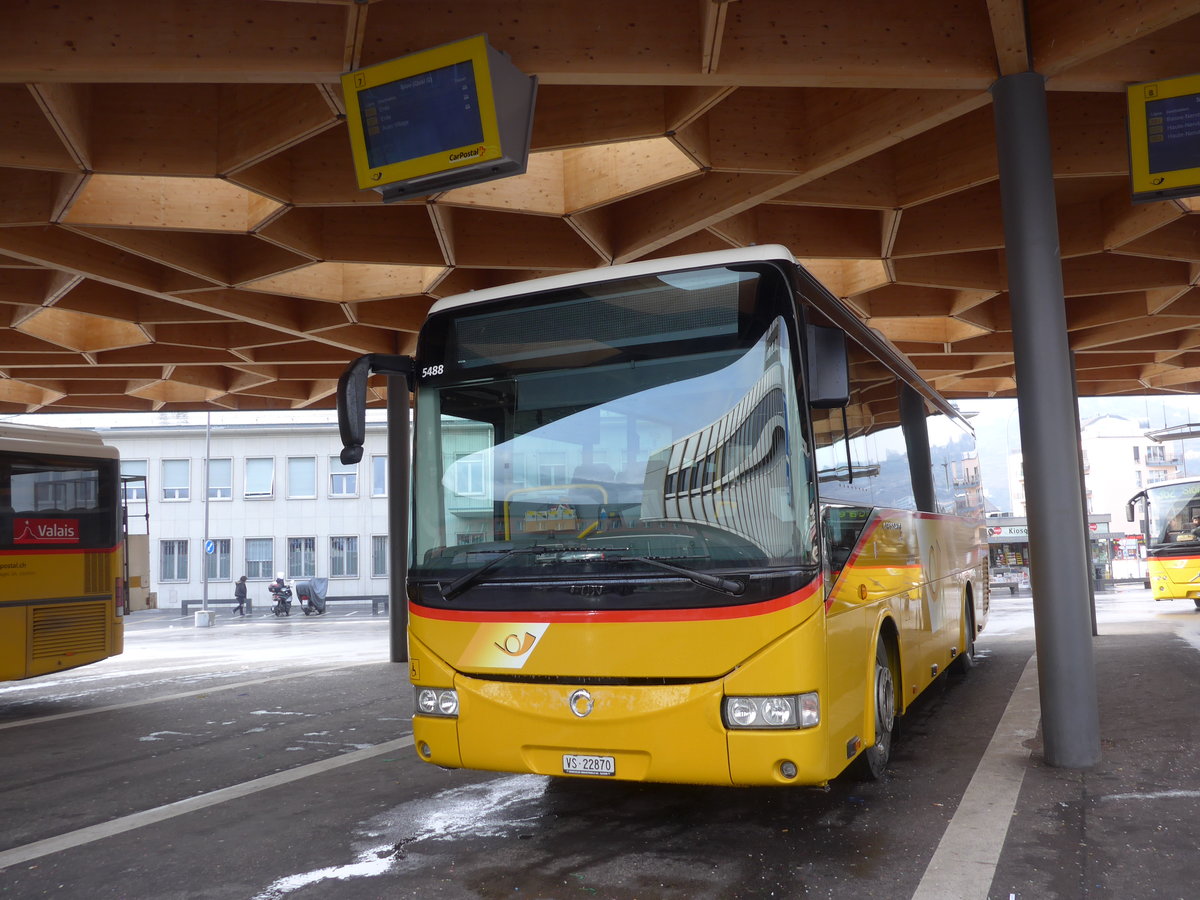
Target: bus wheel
965,661
873,761
1196,600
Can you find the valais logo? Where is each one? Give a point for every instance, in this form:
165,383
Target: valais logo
45,531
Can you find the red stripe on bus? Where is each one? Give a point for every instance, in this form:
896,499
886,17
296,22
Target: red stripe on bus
715,613
866,535
33,550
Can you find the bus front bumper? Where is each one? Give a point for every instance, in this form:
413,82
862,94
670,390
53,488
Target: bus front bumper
662,733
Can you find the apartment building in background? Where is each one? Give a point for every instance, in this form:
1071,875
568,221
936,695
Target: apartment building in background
1118,461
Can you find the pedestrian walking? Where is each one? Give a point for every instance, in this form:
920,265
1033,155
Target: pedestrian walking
239,594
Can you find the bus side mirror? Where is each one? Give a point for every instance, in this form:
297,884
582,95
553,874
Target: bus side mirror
1130,513
828,368
352,398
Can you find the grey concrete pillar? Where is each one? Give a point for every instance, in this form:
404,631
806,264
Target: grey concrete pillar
1049,438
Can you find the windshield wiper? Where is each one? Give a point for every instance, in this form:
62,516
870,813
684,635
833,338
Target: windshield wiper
715,582
470,579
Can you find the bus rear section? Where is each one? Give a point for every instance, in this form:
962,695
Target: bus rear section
62,592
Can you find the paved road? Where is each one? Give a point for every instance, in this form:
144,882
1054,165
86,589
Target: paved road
270,759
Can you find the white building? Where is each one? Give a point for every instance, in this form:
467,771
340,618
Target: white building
280,501
1119,461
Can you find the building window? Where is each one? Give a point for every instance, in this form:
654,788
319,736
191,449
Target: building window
468,475
135,491
378,476
469,537
343,479
1137,453
176,477
343,557
220,479
260,558
172,561
552,469
302,477
302,557
379,556
260,477
216,564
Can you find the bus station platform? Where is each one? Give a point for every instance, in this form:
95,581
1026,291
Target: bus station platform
272,759
1127,827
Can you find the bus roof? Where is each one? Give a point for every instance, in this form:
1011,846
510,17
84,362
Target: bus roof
48,439
613,273
1172,482
842,315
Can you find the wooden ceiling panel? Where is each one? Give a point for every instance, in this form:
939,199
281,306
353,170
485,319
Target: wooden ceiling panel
775,42
27,139
181,228
965,221
140,40
597,114
619,42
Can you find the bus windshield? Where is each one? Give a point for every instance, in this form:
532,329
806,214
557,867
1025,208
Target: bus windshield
671,433
1174,517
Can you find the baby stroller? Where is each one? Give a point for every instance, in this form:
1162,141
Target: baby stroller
282,595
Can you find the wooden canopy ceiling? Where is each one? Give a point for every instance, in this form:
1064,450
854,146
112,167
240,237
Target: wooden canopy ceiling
180,226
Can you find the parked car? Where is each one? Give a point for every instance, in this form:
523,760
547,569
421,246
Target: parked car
1011,577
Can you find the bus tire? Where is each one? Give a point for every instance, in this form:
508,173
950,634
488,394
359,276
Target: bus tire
1196,600
872,762
965,661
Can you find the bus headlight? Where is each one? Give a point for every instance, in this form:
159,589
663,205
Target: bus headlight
786,711
434,702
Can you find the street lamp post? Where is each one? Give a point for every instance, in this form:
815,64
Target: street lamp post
204,618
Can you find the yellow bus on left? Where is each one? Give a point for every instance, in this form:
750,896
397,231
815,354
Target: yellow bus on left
63,589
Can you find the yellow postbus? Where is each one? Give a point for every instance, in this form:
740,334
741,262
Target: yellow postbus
1172,534
686,520
62,586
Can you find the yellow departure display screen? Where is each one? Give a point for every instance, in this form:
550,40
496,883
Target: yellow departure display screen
1164,138
441,118
424,114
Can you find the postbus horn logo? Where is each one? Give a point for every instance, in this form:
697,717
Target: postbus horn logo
45,531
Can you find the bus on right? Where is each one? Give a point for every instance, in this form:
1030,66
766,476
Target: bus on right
1172,532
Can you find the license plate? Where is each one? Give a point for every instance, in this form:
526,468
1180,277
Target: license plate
577,764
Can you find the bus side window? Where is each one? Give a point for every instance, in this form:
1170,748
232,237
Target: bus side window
843,525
